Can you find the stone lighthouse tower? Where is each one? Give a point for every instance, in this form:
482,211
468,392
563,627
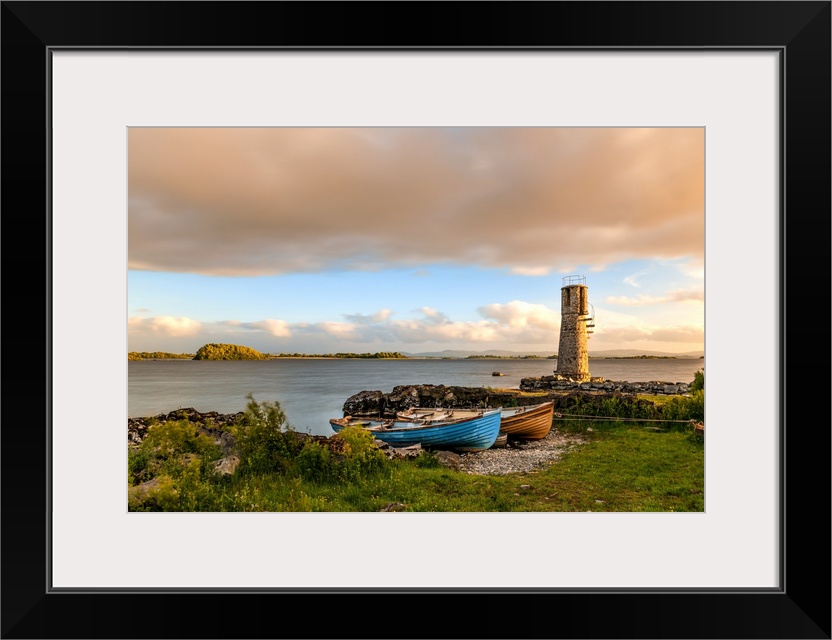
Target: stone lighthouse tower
573,355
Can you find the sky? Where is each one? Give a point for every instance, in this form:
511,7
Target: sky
326,240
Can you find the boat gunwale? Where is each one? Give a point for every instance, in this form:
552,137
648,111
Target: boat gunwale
422,427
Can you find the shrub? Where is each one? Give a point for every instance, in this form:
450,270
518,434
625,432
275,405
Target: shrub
265,441
361,455
698,383
161,496
138,465
686,408
175,438
314,462
168,448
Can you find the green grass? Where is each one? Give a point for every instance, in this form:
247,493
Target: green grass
621,467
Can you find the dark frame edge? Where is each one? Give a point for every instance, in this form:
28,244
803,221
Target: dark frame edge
801,610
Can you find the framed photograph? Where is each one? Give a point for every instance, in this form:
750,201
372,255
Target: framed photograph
86,84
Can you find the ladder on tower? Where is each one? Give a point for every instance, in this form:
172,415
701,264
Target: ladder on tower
590,320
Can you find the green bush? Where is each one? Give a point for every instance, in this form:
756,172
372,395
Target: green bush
138,465
168,448
175,438
314,462
266,442
698,383
361,456
162,496
686,408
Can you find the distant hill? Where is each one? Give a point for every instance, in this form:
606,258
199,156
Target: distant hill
618,353
458,353
611,353
214,351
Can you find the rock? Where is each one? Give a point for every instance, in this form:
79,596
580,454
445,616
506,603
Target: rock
227,466
365,403
212,423
394,506
598,384
142,491
403,453
448,459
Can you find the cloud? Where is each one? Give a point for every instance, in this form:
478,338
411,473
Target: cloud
164,326
240,201
632,279
343,330
522,314
614,330
501,325
277,328
531,271
379,316
681,295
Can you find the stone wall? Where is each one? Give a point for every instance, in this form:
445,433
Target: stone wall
655,387
564,394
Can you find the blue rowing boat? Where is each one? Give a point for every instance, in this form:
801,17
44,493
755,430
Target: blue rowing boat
475,433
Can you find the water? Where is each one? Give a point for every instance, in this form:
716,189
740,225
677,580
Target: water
311,391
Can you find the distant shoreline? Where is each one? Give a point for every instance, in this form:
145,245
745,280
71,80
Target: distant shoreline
427,358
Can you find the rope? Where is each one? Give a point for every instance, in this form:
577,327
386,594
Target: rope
567,416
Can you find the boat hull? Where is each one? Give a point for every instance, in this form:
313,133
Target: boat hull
468,434
528,423
532,422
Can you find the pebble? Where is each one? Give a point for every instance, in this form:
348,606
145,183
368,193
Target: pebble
519,456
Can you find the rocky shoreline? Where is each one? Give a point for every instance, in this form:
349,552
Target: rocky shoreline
403,397
212,423
515,456
653,387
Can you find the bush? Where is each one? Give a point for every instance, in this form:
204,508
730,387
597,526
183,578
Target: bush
168,448
178,437
314,462
698,383
265,441
162,496
361,456
686,408
138,465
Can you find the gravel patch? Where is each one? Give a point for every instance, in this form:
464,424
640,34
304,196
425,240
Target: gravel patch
520,456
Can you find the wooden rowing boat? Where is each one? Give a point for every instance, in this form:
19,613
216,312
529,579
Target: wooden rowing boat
531,422
463,433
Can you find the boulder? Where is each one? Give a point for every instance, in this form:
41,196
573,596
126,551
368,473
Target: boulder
403,453
365,403
226,466
448,459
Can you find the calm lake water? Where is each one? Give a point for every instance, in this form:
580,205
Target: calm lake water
311,391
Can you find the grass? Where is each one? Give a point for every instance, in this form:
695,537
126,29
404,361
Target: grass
621,468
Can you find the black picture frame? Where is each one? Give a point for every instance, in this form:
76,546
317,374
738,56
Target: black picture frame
799,31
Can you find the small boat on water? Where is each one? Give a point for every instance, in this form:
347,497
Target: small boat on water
531,422
475,432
